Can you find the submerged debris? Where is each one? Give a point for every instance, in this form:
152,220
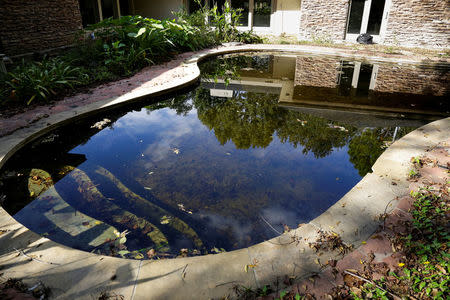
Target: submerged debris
49,139
175,150
182,208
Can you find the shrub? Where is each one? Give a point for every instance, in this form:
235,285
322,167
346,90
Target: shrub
40,80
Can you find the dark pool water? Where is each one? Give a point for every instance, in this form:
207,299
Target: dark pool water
264,143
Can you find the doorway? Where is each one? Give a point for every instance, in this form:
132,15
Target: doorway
367,16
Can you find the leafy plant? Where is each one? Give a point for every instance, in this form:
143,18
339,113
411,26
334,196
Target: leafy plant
41,80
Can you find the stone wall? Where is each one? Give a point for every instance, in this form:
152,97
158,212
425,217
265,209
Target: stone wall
326,20
29,26
419,23
412,80
318,72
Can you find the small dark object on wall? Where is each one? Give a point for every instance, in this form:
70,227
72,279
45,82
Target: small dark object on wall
365,39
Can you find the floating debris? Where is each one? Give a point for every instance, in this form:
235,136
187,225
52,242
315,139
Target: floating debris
302,122
165,220
182,208
337,127
101,124
175,150
49,139
147,188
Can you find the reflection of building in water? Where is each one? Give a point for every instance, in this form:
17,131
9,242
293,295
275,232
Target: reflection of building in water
328,81
388,90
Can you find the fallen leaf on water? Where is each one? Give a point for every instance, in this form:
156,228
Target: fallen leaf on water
123,252
165,220
151,253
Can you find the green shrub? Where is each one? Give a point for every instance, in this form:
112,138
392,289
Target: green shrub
41,80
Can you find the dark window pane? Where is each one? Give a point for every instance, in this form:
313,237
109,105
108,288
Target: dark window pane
355,18
108,9
193,6
365,74
89,12
375,17
346,78
262,12
219,3
124,8
243,5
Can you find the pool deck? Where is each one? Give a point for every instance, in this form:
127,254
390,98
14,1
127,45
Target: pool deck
74,274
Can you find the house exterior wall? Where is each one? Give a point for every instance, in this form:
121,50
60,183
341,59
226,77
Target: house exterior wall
419,23
29,26
323,19
411,23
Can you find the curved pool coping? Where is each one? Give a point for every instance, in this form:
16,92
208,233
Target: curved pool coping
77,274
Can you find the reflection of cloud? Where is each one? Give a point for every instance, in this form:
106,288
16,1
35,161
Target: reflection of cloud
277,216
170,133
240,232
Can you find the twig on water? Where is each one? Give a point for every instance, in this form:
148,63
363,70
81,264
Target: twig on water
265,221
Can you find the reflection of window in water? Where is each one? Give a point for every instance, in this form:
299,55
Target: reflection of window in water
356,76
345,78
365,75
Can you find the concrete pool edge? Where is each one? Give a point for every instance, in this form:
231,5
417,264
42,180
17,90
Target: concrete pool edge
71,273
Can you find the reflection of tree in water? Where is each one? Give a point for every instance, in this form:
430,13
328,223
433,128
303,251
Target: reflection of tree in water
248,119
313,133
365,147
251,119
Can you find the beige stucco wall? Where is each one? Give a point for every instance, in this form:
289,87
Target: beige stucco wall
287,17
157,9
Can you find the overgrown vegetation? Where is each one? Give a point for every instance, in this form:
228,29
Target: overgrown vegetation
114,48
425,272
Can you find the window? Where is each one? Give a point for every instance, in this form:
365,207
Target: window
89,12
262,11
244,6
256,13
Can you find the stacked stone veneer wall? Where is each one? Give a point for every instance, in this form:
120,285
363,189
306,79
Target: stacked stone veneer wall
29,26
412,80
419,23
318,72
326,20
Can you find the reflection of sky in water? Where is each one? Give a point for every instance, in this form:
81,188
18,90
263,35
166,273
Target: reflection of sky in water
145,142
